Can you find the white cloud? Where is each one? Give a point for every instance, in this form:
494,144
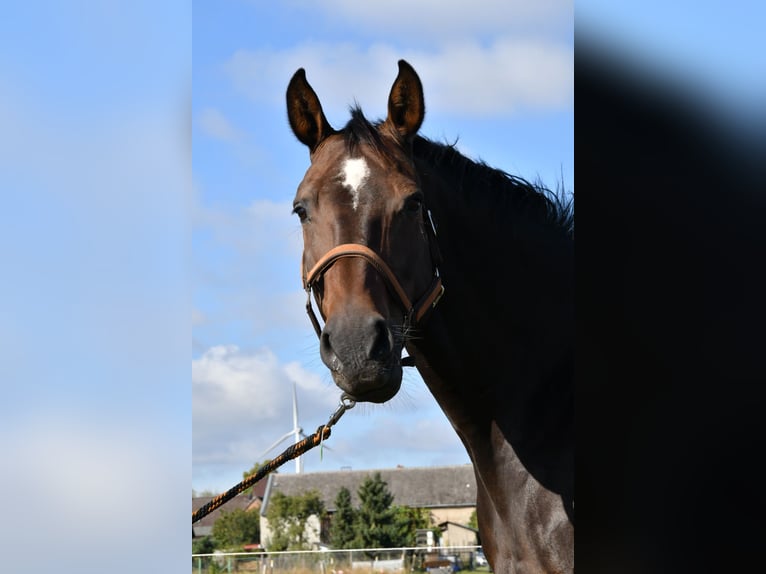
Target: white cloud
465,78
242,403
214,124
468,79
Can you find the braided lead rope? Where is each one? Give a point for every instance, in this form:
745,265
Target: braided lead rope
323,432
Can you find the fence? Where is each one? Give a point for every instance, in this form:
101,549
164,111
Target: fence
439,560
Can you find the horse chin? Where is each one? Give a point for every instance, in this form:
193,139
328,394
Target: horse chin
370,386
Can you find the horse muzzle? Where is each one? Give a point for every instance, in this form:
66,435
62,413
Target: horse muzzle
363,356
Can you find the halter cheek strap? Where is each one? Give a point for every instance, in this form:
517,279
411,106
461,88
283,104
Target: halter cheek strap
414,313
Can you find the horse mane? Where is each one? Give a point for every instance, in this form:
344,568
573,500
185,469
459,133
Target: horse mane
499,190
359,130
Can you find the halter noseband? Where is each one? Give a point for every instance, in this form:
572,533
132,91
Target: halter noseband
414,313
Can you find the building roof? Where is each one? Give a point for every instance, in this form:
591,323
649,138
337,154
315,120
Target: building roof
447,523
244,501
204,526
259,488
420,487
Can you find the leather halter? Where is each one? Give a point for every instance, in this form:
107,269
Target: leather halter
414,312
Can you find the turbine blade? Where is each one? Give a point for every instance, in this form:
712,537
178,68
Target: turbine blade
273,446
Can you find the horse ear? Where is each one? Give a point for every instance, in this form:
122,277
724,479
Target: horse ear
304,111
406,105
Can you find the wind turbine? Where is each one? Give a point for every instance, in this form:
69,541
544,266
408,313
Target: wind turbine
296,432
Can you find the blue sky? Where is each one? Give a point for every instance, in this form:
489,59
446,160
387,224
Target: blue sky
498,79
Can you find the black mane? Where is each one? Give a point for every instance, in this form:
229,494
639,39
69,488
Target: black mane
359,130
512,194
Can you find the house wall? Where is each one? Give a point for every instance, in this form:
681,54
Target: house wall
311,533
456,536
460,515
265,532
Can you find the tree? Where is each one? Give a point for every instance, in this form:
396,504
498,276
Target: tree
206,492
406,522
288,517
342,532
204,545
473,520
375,517
236,528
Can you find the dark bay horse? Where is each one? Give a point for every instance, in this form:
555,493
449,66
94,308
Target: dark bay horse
410,245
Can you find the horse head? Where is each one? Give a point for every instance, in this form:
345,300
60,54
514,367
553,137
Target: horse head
368,246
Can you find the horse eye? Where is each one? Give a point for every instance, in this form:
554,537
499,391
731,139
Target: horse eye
300,211
414,203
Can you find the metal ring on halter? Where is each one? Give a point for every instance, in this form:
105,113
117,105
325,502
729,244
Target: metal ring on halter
346,403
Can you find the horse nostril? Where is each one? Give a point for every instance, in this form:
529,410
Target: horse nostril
381,341
327,352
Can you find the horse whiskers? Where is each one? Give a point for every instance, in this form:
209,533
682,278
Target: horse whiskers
405,333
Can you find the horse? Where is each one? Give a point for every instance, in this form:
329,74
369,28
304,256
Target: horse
409,245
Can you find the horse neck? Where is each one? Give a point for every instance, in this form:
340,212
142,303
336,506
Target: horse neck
501,338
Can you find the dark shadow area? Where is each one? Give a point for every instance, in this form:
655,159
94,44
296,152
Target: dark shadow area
671,322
